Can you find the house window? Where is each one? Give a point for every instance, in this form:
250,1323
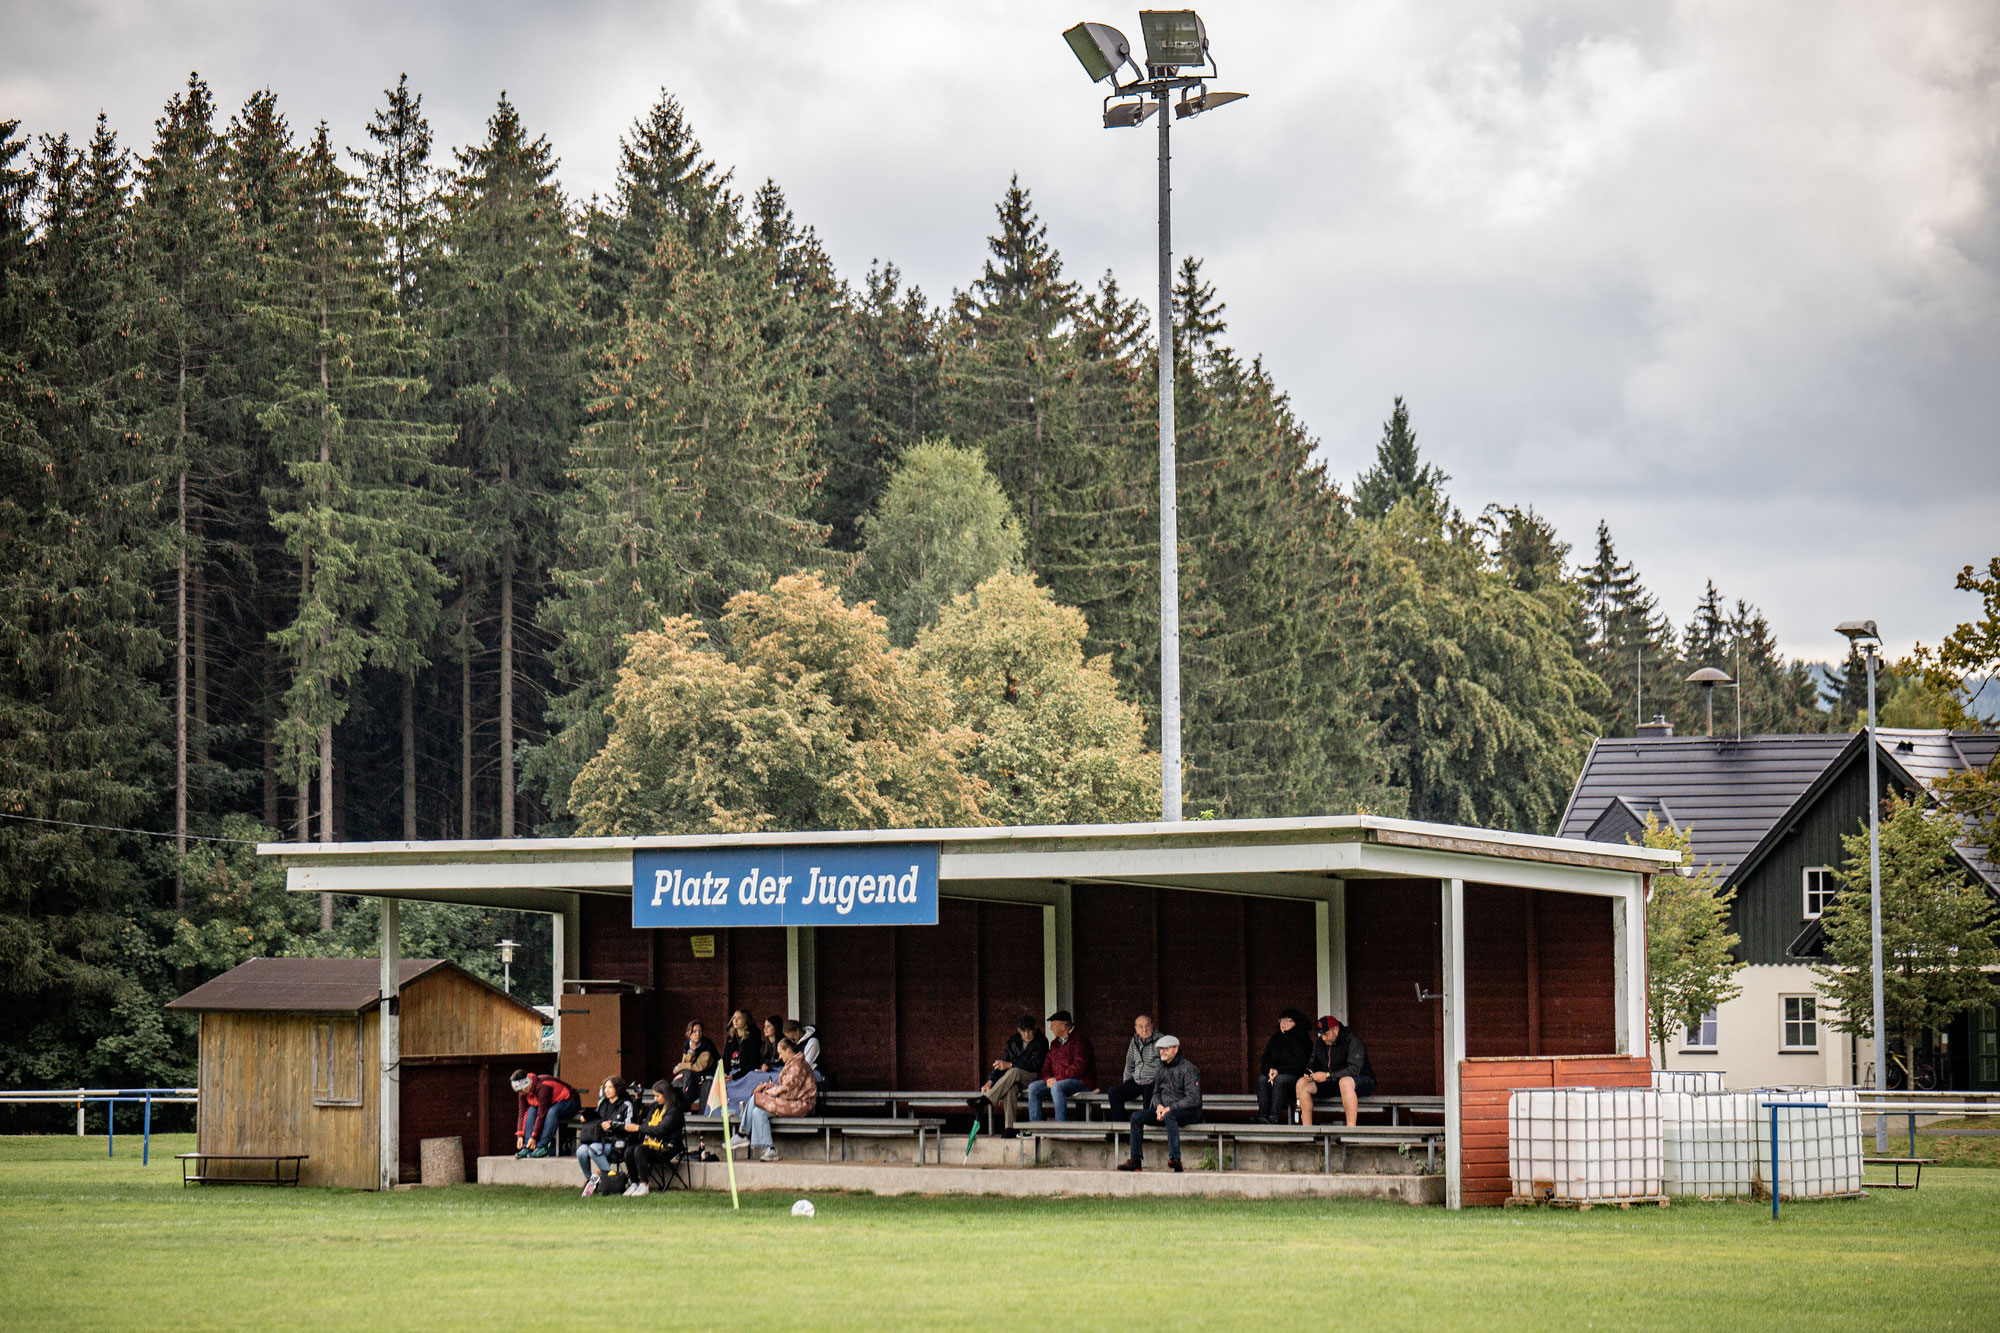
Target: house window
1701,1037
337,1062
1801,1023
1820,888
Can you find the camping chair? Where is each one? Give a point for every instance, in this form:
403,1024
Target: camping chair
665,1169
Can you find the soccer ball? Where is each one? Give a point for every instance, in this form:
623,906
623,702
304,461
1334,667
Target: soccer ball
803,1208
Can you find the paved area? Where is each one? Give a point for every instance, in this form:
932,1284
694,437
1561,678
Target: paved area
805,1175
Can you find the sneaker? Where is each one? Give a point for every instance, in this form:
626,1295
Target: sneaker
1173,1164
738,1143
519,1153
1129,1165
544,1151
768,1155
638,1191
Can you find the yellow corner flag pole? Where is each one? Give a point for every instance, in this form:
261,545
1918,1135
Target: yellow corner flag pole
729,1156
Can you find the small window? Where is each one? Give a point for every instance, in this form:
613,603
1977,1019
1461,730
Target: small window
1701,1037
1820,888
337,1062
1801,1023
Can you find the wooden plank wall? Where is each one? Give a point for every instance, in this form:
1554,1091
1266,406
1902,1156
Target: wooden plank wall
1482,1099
1212,969
256,1097
1539,973
444,1013
1394,944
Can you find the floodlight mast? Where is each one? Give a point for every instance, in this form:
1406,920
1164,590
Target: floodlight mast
1175,41
1862,634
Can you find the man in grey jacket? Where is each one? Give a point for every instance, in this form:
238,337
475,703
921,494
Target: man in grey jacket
1176,1101
1142,1066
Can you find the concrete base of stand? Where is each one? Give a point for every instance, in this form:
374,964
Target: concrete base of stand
804,1175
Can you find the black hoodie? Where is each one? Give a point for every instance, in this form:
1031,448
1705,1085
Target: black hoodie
1287,1052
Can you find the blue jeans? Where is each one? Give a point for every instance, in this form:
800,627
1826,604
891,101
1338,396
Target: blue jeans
539,1130
1063,1088
1171,1122
597,1154
757,1124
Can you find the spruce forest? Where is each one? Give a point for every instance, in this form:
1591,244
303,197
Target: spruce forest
339,481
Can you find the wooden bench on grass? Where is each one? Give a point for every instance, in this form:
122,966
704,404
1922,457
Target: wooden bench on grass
845,1126
1898,1163
195,1168
1226,1137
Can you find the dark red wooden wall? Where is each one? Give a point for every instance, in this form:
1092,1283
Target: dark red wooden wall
1394,944
1212,969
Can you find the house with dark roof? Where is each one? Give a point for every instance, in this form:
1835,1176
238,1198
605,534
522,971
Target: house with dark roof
1767,813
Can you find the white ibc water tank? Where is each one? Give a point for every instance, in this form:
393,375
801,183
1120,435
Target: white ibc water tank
1819,1150
1709,1143
1584,1144
1688,1080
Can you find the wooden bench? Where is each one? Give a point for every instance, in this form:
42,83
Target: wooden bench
194,1168
1225,1137
1245,1103
858,1126
1898,1163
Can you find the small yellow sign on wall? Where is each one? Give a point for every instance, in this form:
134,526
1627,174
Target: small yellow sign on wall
704,945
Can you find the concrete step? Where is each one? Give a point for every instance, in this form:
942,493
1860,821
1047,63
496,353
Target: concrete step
803,1174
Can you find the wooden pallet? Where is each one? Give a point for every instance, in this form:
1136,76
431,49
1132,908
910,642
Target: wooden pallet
1585,1205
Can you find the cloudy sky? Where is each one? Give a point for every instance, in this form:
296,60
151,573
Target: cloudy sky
1721,273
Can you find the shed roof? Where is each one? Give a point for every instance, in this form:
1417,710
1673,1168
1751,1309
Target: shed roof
302,985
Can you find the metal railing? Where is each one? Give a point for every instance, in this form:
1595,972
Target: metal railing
146,1098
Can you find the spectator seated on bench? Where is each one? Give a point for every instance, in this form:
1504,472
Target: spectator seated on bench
1175,1101
1018,1066
792,1094
545,1103
602,1142
696,1068
1286,1056
1339,1066
1067,1069
1142,1066
660,1142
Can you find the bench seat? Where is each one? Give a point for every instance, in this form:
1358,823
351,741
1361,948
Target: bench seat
1226,1136
923,1129
194,1168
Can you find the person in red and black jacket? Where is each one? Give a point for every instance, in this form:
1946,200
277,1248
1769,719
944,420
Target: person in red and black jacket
544,1102
1068,1068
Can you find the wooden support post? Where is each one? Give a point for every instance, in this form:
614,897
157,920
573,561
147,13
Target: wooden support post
389,1094
1454,1039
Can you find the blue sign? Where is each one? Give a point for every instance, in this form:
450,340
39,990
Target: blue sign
875,884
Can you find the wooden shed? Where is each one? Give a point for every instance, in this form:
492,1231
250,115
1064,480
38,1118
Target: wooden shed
290,1062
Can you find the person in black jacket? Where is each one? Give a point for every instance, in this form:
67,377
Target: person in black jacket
660,1136
1175,1101
608,1133
1018,1066
1339,1064
1286,1055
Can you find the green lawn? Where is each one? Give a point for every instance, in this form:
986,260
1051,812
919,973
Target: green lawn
91,1243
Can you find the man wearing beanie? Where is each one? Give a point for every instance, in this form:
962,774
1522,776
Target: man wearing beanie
1175,1101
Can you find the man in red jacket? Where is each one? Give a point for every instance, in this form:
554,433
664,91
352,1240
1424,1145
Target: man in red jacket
544,1102
1068,1068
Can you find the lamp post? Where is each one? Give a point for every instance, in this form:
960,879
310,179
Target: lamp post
1176,42
1862,634
507,948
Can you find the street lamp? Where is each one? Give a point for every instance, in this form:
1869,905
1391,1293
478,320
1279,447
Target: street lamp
1176,42
507,948
1708,678
1863,635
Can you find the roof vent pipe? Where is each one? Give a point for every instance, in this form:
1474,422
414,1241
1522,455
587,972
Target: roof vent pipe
1658,729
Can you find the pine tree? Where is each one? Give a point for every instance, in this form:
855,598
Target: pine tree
1398,473
362,513
663,182
1628,644
884,394
505,315
691,481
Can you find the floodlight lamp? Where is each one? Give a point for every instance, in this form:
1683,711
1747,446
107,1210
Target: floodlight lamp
1174,37
1205,101
1124,115
1100,48
1857,630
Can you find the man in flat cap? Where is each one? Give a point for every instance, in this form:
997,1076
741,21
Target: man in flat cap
1175,1101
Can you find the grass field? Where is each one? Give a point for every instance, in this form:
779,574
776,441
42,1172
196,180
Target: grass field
91,1243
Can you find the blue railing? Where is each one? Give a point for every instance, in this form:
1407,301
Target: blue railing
145,1098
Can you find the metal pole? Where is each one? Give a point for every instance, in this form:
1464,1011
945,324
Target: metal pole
1875,913
1170,578
390,1154
146,1144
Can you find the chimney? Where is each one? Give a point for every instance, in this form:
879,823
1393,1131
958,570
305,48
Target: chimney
1658,729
